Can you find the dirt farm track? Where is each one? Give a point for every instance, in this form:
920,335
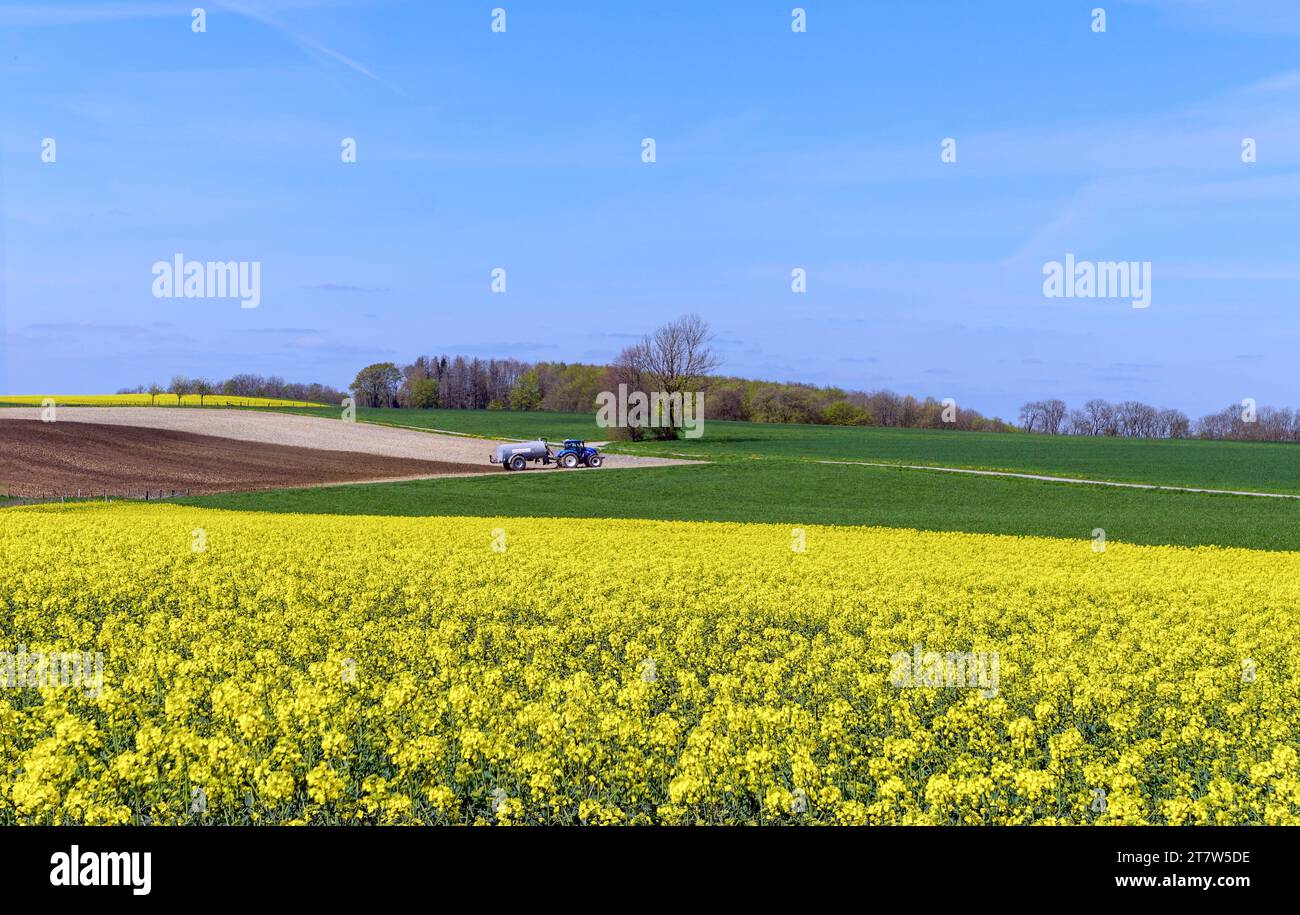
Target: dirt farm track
127,450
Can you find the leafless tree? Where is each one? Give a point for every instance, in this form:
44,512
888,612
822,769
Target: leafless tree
1273,424
1135,419
678,356
1101,417
1173,424
1031,416
202,387
180,386
886,408
1053,416
676,359
1077,423
631,369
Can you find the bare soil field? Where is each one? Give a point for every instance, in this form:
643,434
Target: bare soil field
312,432
40,459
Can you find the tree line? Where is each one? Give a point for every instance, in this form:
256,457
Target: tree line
675,358
678,358
794,402
468,383
1128,419
244,385
1134,419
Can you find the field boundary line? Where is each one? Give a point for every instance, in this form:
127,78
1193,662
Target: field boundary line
1076,480
506,439
432,431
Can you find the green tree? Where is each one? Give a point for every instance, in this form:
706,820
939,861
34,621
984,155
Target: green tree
527,392
376,385
424,393
843,413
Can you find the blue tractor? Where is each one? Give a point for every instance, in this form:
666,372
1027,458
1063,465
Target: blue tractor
575,452
516,455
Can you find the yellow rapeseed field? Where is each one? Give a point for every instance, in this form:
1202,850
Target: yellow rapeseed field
145,400
276,668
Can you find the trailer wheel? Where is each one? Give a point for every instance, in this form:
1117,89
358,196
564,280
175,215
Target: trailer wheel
518,463
594,461
570,461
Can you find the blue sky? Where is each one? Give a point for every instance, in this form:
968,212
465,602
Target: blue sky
775,150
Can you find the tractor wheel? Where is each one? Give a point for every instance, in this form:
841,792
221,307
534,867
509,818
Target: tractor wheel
518,462
594,461
569,461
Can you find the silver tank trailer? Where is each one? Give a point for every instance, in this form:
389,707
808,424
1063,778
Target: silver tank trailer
529,451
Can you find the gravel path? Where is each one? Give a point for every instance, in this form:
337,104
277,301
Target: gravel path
302,432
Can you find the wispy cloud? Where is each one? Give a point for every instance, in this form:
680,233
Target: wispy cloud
1254,17
68,14
304,41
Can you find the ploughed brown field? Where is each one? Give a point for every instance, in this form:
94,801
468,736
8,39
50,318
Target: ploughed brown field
40,459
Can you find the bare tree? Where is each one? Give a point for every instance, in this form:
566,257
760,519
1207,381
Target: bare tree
1273,423
1263,424
674,360
886,408
1173,424
244,385
202,387
1135,419
1101,417
678,356
1053,416
1031,416
1077,423
1216,425
1130,418
180,386
629,368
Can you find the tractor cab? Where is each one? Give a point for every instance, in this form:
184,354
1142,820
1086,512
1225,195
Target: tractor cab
576,452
